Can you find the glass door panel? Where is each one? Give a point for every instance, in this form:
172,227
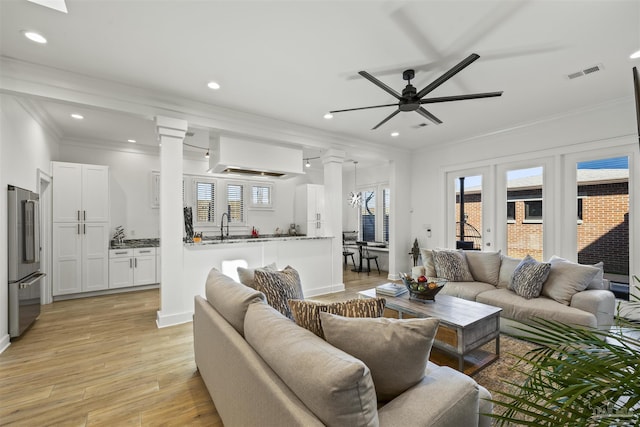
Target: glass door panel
603,215
468,212
524,213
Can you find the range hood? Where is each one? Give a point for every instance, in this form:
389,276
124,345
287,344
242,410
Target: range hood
239,156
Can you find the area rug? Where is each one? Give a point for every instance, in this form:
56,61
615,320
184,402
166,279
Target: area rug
493,376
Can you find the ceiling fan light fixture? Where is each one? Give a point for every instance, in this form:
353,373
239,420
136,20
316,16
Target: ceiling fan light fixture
213,85
34,37
635,55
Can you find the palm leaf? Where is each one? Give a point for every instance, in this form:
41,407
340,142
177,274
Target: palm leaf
576,377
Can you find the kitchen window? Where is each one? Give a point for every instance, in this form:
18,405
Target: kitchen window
235,203
205,194
261,196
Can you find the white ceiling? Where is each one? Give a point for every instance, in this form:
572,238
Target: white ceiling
294,61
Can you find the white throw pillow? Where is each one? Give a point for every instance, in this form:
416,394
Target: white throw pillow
507,267
484,266
247,275
395,350
567,278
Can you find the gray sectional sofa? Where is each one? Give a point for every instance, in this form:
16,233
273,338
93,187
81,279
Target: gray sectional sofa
262,369
571,294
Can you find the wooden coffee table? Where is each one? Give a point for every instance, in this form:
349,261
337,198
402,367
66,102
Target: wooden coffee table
464,325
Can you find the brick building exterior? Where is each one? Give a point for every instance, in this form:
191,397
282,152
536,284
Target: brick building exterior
602,223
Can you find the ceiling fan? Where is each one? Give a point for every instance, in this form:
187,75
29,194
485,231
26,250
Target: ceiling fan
412,100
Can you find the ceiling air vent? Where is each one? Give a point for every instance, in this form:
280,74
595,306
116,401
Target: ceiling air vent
584,72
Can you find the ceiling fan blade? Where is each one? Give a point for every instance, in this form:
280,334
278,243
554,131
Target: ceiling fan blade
460,97
428,115
380,84
446,76
364,108
389,117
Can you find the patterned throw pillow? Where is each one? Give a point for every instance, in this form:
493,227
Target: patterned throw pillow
451,265
247,275
306,313
395,350
528,277
279,287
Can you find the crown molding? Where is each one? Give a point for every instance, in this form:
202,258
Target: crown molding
124,147
40,115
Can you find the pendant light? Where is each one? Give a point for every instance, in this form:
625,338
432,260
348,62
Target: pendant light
355,198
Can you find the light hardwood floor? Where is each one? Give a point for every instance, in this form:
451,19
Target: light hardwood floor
103,361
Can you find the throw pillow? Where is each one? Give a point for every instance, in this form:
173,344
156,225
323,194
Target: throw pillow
507,267
247,275
427,261
395,350
528,277
566,278
279,287
484,266
451,265
306,313
598,280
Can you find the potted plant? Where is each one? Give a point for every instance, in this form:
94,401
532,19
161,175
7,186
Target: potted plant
577,377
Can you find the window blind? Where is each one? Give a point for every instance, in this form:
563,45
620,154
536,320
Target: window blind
205,195
260,195
235,202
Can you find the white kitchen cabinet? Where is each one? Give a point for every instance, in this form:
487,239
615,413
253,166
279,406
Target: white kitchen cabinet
132,267
80,257
80,192
80,228
309,212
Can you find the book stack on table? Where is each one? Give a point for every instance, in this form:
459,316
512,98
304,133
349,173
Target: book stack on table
391,289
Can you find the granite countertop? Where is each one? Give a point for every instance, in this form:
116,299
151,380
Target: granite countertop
135,243
250,239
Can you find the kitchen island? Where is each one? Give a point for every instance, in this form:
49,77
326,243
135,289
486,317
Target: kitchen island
312,257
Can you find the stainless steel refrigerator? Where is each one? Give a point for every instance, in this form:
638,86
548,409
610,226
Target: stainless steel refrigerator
24,259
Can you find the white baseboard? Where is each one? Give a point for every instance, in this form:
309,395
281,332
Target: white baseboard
339,287
5,342
164,320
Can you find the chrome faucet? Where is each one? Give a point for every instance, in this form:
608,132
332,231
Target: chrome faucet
222,225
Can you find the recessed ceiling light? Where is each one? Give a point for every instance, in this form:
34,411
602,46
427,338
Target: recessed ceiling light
328,116
635,55
213,85
132,141
77,116
394,134
34,37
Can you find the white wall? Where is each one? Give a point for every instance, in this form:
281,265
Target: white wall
607,130
130,190
25,147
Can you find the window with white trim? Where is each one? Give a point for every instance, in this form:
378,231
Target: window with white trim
235,203
205,195
261,196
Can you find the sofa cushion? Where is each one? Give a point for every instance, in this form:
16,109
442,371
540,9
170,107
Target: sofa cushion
466,290
396,350
566,278
230,298
528,277
522,310
306,313
484,266
246,275
451,265
279,287
427,261
507,266
334,385
598,280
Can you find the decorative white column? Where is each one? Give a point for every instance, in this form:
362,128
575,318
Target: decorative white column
173,307
400,240
332,160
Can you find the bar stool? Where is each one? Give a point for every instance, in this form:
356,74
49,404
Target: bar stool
370,257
